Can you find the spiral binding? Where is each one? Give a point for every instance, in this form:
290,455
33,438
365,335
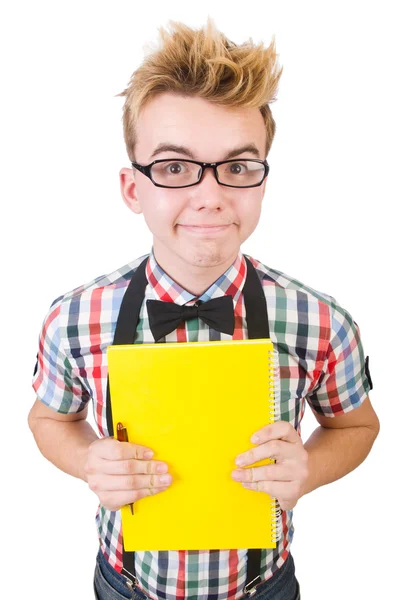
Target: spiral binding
274,388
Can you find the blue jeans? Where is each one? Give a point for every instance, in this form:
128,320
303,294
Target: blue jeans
110,585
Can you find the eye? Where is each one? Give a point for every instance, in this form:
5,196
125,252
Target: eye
237,168
175,168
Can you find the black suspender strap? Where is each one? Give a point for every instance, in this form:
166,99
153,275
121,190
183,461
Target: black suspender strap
127,322
257,326
255,305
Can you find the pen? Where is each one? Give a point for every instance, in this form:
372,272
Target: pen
122,436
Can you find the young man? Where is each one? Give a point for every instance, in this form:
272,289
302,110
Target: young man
198,130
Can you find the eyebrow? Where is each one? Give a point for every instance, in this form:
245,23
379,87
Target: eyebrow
167,147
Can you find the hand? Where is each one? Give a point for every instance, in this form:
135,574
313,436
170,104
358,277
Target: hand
285,479
119,474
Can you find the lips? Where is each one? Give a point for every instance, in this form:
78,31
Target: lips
205,229
206,226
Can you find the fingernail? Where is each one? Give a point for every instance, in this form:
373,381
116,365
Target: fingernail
161,468
255,439
165,479
148,454
237,475
239,461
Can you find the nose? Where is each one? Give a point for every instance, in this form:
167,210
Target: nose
208,191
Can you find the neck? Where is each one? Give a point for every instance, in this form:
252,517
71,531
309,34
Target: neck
193,277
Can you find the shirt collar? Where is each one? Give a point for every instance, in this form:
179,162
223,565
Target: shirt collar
166,289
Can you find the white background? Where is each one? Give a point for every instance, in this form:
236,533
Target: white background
327,220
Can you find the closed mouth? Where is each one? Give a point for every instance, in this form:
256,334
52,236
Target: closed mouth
206,226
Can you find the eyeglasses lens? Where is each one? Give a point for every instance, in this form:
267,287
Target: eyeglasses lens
179,173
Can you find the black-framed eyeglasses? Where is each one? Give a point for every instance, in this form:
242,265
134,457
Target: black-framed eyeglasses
180,173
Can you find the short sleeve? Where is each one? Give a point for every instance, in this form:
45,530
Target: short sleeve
345,380
53,379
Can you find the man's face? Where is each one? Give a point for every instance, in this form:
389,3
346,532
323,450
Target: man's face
183,220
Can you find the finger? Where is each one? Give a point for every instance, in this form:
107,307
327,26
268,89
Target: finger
273,472
281,430
117,483
115,500
112,449
277,449
128,467
283,491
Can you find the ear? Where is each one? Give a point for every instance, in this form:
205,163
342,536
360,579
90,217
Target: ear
128,190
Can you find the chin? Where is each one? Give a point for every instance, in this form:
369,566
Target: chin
209,256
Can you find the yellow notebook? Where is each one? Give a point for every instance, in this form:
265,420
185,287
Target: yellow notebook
196,405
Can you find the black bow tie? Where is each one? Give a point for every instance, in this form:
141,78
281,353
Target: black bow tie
165,317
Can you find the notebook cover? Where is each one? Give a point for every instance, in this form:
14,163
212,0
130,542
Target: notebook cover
196,405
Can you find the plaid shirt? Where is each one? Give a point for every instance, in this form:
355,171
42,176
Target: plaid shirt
321,360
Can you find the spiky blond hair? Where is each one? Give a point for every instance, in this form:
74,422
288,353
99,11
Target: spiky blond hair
206,64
